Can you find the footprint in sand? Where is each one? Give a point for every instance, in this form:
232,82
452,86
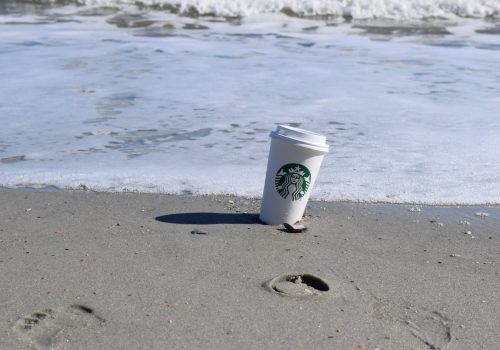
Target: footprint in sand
52,328
297,285
430,327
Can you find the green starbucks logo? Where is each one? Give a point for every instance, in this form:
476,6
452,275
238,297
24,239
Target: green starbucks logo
292,179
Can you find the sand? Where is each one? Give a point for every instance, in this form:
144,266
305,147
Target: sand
85,270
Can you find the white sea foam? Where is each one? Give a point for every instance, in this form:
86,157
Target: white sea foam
359,9
165,108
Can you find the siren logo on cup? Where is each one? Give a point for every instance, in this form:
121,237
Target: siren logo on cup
292,179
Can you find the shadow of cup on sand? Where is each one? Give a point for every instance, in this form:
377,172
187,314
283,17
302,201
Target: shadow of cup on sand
204,218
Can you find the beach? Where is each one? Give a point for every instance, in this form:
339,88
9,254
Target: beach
88,270
134,140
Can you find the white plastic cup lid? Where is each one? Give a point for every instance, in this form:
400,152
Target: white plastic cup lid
301,137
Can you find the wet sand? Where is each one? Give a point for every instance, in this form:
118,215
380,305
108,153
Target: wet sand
85,270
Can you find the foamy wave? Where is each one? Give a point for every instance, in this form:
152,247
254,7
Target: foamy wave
358,9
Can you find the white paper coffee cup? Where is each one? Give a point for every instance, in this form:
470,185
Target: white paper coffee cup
292,168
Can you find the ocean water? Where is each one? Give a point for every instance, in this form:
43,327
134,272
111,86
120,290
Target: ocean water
180,96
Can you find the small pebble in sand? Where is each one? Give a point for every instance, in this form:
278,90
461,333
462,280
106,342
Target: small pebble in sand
197,231
230,202
440,224
467,233
482,214
455,255
27,210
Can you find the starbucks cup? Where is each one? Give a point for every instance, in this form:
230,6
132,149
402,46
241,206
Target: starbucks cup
292,168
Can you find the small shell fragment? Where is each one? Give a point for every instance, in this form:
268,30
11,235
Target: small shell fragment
296,228
198,231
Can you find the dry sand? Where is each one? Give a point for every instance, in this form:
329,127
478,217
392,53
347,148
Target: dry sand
84,270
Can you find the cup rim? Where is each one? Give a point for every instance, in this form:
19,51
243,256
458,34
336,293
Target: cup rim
323,147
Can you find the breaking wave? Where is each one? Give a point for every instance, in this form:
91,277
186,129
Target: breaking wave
356,9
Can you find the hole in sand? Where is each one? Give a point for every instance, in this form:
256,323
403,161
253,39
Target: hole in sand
298,285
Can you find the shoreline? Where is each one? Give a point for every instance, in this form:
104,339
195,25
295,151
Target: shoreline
84,189
114,270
